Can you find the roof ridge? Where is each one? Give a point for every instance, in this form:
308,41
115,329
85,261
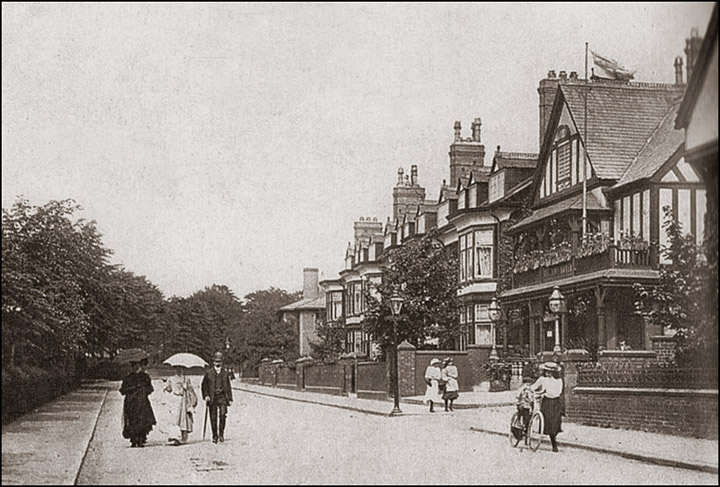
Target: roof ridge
518,154
645,144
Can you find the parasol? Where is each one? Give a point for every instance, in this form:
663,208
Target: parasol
185,360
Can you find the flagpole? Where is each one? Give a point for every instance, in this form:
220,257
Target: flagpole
584,175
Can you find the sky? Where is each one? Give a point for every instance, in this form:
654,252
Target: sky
236,144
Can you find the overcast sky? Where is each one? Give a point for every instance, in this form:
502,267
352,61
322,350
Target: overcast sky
237,143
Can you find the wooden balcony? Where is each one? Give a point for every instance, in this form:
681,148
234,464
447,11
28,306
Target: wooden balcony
612,257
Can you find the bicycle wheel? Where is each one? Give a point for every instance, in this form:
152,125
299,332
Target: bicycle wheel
514,436
535,431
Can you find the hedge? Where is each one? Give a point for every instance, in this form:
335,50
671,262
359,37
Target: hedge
25,388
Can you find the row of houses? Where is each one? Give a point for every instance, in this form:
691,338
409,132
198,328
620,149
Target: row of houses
583,214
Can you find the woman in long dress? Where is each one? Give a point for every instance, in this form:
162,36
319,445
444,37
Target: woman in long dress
182,405
450,377
138,417
433,375
550,386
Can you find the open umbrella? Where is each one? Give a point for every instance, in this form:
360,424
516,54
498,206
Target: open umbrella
130,355
185,360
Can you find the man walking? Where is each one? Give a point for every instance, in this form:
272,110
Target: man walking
218,395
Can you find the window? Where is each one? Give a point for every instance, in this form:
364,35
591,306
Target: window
563,166
483,253
466,259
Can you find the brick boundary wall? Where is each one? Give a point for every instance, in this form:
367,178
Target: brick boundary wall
685,412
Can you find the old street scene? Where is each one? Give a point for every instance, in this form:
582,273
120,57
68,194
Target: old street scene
316,243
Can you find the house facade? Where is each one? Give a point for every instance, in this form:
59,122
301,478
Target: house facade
610,161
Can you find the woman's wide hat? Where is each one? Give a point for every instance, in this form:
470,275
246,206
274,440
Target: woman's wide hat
550,367
435,361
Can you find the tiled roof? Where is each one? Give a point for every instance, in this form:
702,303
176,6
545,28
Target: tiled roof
620,118
316,303
568,204
661,145
515,159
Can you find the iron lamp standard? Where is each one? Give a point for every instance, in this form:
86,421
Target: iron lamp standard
556,305
494,314
396,302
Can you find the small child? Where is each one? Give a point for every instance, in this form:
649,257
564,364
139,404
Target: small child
525,400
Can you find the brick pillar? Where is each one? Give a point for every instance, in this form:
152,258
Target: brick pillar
264,372
570,362
274,366
300,364
664,348
406,369
478,356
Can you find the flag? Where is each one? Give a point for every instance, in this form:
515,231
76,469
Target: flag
610,69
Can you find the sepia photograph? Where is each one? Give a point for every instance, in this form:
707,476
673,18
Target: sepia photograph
272,243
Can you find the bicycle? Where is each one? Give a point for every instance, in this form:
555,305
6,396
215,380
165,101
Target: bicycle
532,432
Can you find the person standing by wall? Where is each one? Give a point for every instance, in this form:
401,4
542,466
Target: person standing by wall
433,375
218,396
450,377
138,416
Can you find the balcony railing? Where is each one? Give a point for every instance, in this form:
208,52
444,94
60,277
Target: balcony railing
612,257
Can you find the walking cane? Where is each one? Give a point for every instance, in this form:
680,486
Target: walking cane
207,410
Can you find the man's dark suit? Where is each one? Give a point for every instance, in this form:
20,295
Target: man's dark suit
217,387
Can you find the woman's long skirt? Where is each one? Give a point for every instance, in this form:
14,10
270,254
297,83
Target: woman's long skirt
551,410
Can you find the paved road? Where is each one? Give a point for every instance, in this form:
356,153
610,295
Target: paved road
272,441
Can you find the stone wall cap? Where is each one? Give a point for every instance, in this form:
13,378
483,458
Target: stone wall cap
405,345
278,361
627,353
663,338
303,360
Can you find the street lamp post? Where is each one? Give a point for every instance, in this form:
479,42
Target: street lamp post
556,304
494,313
396,302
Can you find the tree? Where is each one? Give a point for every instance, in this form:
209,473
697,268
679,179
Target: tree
331,340
261,333
683,298
426,277
53,263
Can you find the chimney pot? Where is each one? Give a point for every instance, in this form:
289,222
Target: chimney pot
551,74
477,123
457,131
573,75
400,176
563,75
413,175
678,70
498,149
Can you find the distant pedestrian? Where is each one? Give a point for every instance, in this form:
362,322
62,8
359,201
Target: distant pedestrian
433,375
183,401
217,392
550,386
450,377
138,417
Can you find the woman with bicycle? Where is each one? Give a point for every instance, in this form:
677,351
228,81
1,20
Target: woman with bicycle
550,387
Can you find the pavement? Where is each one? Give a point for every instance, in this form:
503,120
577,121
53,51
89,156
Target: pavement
49,445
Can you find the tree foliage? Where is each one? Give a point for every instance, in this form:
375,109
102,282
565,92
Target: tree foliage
683,299
61,299
426,277
331,340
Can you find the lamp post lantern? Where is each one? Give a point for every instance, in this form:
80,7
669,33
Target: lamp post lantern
396,303
494,313
556,305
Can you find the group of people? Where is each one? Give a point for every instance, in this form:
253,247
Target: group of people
442,383
138,416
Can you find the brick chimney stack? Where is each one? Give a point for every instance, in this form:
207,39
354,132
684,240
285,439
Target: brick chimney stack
547,90
678,70
311,289
457,131
692,49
